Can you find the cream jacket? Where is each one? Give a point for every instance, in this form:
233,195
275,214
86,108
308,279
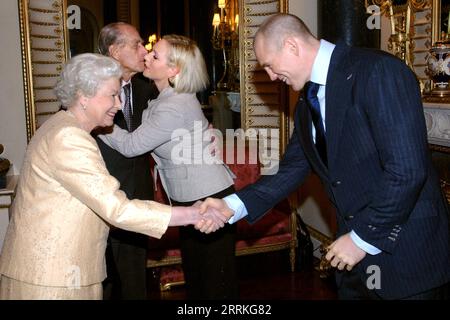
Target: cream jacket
174,127
64,203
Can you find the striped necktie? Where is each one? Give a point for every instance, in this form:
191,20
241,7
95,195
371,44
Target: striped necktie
314,105
127,112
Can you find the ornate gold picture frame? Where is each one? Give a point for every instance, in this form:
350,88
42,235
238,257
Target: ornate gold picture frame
44,51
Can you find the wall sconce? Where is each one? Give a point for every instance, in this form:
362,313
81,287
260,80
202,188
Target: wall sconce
151,42
400,40
400,18
225,37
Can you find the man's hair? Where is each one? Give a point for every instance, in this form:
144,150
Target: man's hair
185,55
109,35
276,28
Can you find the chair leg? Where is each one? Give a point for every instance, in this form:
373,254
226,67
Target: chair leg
292,257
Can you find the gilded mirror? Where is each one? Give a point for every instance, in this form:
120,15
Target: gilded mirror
441,26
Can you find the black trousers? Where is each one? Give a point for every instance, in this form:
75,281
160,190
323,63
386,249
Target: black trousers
126,261
352,287
209,260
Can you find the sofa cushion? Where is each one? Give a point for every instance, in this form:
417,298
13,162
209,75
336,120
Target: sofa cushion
273,223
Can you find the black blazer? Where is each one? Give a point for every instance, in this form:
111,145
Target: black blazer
133,173
380,176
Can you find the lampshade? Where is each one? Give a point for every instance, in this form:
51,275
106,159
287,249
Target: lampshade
151,42
216,20
221,4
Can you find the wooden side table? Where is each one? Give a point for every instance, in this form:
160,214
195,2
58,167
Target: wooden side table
9,191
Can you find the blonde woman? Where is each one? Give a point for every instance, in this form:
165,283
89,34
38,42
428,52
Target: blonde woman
178,70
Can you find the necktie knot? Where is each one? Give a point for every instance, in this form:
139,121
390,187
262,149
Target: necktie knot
311,90
311,96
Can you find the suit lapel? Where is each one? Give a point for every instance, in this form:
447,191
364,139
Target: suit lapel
338,98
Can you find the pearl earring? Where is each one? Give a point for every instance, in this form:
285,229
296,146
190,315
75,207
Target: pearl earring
83,106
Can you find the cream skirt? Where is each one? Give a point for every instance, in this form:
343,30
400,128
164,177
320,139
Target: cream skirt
11,289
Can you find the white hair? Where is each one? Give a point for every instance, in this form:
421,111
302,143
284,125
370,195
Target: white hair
83,74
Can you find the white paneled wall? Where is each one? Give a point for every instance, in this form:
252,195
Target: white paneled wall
12,112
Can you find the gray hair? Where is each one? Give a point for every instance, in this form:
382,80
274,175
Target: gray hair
83,74
185,55
109,35
277,27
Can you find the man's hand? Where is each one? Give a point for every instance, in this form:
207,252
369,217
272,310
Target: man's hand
215,210
344,253
209,221
205,222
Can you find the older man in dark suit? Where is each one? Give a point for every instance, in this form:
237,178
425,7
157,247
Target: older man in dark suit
360,127
127,251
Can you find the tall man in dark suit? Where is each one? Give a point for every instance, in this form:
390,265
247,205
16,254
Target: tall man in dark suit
360,127
127,251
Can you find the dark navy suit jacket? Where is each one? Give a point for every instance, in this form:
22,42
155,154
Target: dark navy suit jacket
379,176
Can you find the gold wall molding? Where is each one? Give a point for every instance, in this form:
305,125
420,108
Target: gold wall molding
258,92
385,5
39,71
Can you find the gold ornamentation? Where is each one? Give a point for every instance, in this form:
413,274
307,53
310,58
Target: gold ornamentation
46,49
43,88
44,114
43,10
413,29
47,62
44,36
47,54
45,101
386,4
46,75
42,23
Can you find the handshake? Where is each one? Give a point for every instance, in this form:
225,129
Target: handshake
206,216
213,214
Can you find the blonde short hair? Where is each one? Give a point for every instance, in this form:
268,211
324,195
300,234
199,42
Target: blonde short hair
185,55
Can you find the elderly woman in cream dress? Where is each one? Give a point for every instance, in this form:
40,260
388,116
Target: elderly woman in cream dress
66,199
176,131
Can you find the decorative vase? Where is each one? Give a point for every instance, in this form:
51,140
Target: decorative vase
438,68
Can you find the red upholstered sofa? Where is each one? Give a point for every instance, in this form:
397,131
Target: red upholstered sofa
275,231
